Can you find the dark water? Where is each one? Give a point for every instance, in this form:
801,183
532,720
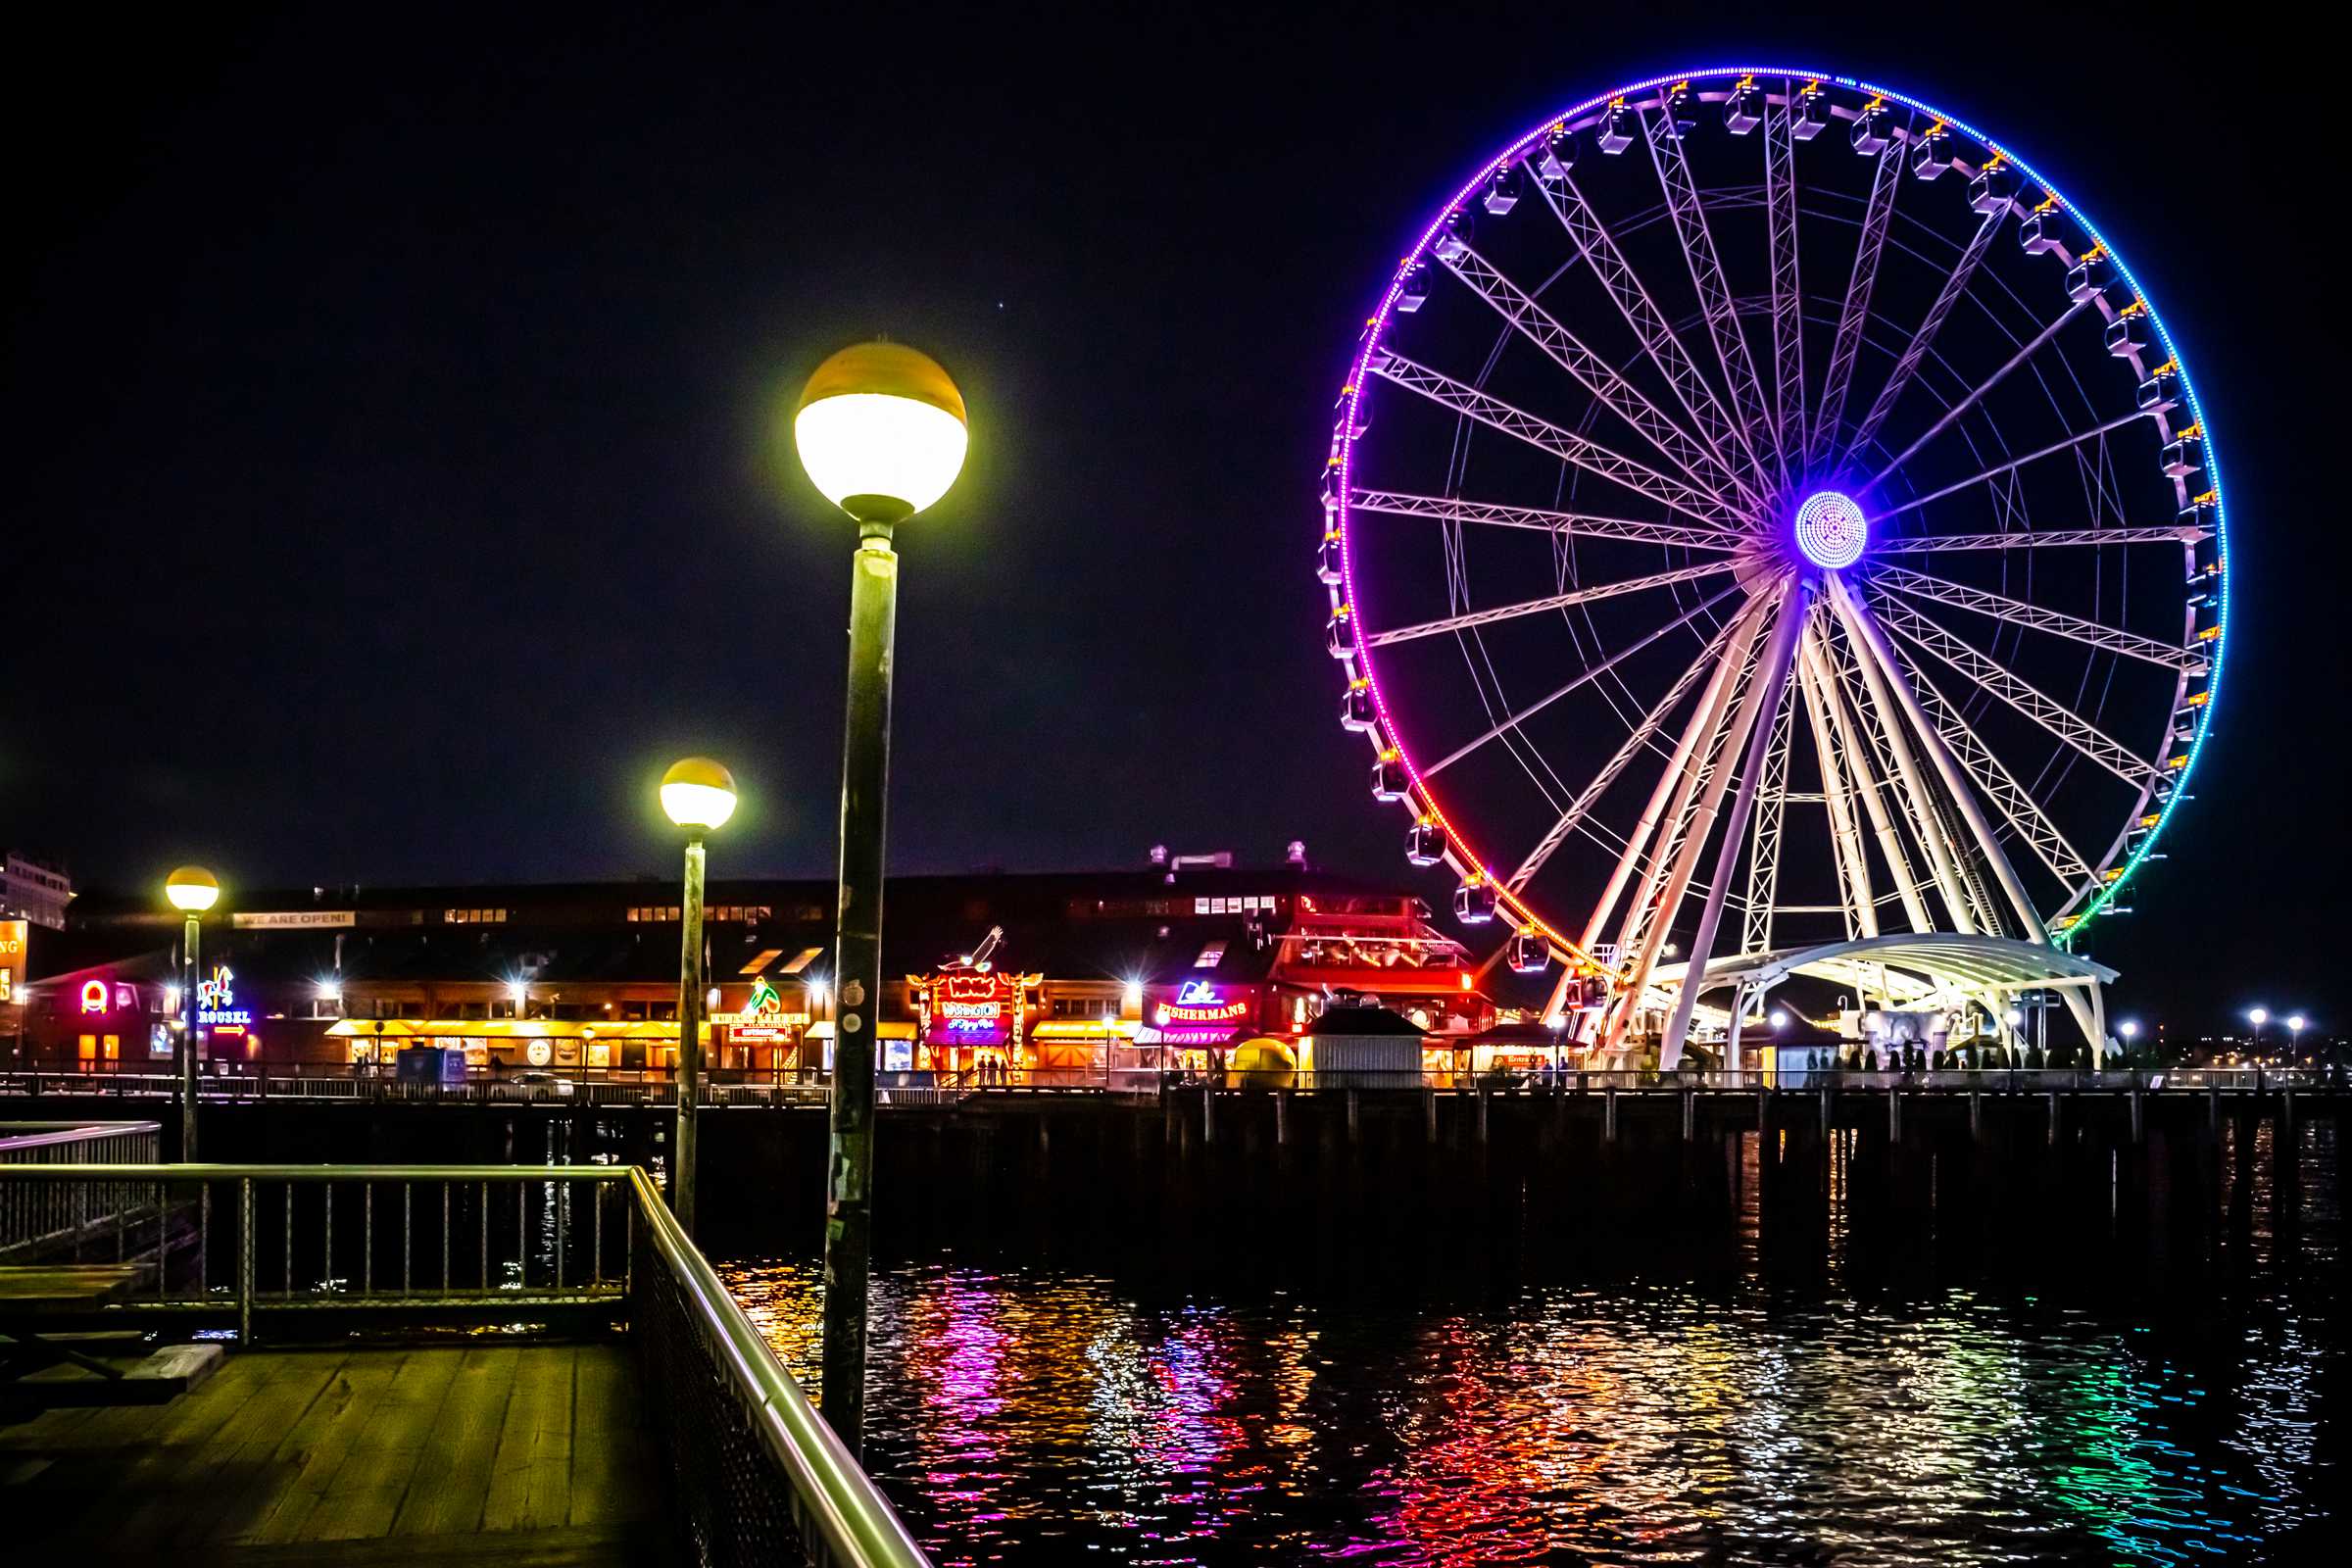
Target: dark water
2084,1408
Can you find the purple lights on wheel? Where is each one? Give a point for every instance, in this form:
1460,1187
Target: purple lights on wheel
1831,529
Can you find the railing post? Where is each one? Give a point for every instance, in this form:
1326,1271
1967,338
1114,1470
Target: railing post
244,1262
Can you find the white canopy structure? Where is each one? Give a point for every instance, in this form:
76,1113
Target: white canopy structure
1909,970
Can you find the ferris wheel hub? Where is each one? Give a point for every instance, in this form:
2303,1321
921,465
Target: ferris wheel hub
1830,531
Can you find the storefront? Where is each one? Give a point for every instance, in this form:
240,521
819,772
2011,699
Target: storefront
630,1050
1188,1026
970,1020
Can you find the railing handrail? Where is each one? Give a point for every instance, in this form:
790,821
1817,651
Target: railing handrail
855,1519
322,1173
16,1134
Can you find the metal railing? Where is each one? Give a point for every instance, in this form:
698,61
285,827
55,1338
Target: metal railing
908,1091
757,1475
33,1219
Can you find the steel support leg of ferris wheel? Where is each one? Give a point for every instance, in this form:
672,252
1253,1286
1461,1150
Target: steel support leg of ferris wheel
1870,644
1906,764
1650,911
1845,733
1845,838
1770,691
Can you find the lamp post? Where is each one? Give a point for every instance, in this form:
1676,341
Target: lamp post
697,795
2294,1038
881,432
191,890
2257,1016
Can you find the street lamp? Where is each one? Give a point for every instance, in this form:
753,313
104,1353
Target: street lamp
191,890
697,795
2257,1016
881,432
2294,1036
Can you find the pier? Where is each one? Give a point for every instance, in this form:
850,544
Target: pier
427,1364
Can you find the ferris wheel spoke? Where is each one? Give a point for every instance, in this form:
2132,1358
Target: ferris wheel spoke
1689,217
1591,673
1854,314
2014,463
2004,683
1787,292
1955,284
1445,508
1532,607
1530,321
1545,436
2049,539
1993,780
1977,393
2016,612
1641,313
1964,800
1651,723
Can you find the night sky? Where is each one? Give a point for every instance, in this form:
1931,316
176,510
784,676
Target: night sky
393,404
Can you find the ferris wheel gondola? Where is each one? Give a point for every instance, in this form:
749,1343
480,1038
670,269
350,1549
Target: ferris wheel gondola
1769,540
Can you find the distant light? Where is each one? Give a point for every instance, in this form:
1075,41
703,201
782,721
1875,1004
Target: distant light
1465,979
697,792
2017,1015
1830,531
330,991
1779,1019
1133,995
711,1001
2130,1028
819,993
518,991
192,888
2294,1021
2258,1015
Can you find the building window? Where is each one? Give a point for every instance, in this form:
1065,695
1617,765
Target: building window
113,1047
1210,955
86,1048
326,1007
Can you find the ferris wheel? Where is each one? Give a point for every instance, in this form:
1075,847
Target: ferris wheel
1763,512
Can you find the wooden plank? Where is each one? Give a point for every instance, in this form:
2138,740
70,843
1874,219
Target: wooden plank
305,1461
154,1380
612,1476
195,1495
530,1482
365,1496
451,1479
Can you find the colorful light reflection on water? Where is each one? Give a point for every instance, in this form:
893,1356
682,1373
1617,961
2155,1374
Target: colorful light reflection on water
1035,1416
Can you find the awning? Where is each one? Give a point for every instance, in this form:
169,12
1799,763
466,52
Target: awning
884,1030
1184,1035
1085,1029
505,1029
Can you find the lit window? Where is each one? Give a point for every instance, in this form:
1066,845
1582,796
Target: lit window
1200,906
1210,957
86,1048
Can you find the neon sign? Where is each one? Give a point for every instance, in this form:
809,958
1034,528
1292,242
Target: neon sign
93,996
763,998
216,1002
1199,1001
972,1007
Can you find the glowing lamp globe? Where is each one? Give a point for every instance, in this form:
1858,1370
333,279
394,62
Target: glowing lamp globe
881,432
1830,531
2259,1017
698,793
192,888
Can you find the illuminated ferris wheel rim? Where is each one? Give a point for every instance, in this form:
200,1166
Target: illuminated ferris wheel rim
1460,854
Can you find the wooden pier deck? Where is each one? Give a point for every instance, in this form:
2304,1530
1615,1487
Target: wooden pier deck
520,1454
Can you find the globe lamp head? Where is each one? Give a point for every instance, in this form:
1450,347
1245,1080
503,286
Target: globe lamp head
881,432
698,793
191,888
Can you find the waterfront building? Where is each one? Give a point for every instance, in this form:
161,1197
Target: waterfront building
1066,976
